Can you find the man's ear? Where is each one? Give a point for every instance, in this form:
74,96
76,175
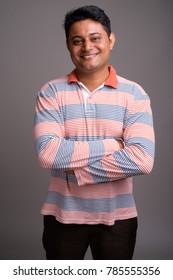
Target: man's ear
112,40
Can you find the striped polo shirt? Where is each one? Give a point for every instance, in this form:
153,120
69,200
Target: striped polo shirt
76,132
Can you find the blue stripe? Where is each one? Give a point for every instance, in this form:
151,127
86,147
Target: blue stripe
98,111
144,118
143,143
53,87
42,141
65,86
48,116
125,87
110,112
72,111
134,90
48,92
56,86
72,203
138,95
96,149
63,157
90,111
98,173
127,164
88,137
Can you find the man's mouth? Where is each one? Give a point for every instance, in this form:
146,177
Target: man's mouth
88,56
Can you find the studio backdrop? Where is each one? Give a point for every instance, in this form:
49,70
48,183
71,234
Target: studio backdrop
33,51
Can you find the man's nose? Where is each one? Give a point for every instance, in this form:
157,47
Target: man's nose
87,45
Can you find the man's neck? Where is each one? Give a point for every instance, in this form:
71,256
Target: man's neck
93,80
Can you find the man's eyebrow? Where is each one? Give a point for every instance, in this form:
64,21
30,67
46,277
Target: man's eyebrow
80,36
76,36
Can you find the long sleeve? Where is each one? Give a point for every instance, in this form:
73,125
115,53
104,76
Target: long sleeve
53,150
137,157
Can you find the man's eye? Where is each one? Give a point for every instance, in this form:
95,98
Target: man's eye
95,39
77,42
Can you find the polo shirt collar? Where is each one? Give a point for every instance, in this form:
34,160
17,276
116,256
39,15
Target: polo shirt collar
111,80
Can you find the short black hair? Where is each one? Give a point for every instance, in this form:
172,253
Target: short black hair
87,12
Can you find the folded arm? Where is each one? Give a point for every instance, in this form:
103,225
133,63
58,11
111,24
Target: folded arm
136,158
52,149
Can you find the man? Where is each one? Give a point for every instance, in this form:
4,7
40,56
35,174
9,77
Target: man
93,130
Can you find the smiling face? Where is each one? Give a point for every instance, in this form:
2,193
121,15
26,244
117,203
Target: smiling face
89,46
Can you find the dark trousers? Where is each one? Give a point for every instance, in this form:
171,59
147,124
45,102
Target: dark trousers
70,241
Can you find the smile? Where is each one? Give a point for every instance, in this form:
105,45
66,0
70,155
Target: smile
89,56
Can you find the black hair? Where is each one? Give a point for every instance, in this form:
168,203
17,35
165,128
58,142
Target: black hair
87,12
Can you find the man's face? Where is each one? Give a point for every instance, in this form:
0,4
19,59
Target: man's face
89,46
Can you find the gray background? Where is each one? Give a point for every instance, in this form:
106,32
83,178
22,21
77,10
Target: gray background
32,52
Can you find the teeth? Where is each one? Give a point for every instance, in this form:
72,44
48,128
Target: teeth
89,55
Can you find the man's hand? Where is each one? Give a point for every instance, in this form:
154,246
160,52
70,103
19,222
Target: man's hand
121,144
70,171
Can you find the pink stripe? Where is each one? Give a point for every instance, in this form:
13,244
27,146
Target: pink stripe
94,126
111,167
84,177
138,106
148,166
139,130
77,217
46,102
75,127
94,191
114,98
69,97
124,81
58,80
81,150
48,128
111,146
